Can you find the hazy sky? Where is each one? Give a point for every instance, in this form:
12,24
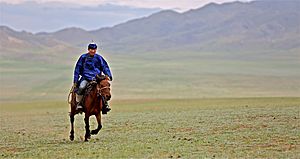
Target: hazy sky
179,5
53,15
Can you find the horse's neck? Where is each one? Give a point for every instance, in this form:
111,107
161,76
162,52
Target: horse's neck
91,91
95,102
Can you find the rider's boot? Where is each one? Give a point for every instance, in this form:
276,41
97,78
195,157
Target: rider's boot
78,101
105,107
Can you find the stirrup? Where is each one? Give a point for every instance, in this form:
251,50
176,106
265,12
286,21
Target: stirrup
79,107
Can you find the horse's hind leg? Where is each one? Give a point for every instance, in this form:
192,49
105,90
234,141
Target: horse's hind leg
98,117
72,127
87,127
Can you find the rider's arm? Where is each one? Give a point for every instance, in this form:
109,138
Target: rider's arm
105,68
78,68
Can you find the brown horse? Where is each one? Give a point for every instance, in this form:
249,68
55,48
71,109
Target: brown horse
93,104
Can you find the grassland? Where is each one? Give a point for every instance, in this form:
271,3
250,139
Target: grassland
167,105
165,128
152,76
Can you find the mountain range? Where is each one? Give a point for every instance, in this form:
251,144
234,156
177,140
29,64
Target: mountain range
258,26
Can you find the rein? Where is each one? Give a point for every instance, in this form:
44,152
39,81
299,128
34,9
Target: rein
70,94
100,89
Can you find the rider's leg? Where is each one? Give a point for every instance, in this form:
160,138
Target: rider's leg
79,94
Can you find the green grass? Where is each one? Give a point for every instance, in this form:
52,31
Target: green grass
156,128
164,75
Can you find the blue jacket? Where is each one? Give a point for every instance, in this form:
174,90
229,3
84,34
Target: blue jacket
88,67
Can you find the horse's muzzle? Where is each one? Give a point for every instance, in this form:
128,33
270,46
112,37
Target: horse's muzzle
108,97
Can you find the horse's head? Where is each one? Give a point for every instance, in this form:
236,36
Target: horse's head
103,86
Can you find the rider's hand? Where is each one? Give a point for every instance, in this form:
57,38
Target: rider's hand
109,78
74,84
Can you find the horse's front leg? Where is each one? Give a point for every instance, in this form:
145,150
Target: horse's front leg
72,126
98,117
87,127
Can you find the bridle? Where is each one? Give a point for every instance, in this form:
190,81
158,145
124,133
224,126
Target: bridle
99,90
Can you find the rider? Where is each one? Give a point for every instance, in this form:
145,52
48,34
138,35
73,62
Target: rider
87,67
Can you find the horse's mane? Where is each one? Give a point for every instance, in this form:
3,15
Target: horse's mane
99,78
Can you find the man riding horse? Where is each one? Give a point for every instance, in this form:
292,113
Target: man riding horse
88,66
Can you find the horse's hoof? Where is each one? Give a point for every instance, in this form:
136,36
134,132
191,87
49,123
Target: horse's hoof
86,139
94,132
71,138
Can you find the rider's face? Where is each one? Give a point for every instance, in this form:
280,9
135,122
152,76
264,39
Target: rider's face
92,51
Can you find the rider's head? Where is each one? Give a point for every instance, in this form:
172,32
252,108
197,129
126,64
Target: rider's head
92,48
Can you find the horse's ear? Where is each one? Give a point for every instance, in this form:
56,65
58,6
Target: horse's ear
107,78
100,78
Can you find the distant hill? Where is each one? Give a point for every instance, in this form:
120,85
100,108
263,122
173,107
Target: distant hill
255,26
262,26
25,46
